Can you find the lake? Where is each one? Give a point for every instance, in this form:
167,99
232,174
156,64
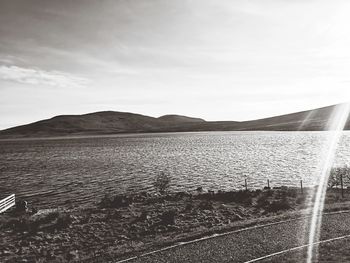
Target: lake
48,172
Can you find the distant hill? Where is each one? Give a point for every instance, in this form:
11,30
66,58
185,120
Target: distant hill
99,122
311,120
112,122
104,122
179,119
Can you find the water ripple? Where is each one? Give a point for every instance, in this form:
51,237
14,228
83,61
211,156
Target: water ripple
50,172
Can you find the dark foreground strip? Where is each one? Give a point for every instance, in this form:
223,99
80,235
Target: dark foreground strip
242,230
297,248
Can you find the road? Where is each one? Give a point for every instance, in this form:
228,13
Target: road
243,246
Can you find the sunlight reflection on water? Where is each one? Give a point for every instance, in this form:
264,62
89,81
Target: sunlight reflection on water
81,169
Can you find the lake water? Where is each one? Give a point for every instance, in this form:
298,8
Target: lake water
48,172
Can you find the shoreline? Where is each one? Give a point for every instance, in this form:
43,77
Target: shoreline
127,134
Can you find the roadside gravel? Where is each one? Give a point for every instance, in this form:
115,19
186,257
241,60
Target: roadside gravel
247,245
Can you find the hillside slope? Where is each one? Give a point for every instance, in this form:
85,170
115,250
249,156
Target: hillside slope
311,120
111,122
179,119
99,122
105,122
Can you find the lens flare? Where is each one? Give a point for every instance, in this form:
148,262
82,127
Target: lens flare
336,126
308,118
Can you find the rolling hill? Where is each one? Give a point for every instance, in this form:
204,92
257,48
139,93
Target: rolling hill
112,122
179,119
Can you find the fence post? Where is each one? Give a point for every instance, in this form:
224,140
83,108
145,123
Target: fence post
341,185
268,183
301,186
245,184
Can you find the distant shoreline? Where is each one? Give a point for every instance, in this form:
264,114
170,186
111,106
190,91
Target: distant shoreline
132,134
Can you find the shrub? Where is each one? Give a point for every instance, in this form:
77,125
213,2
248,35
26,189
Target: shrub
105,202
116,202
63,221
278,205
162,182
19,225
168,217
189,206
244,197
262,202
49,217
336,173
301,199
292,192
206,205
112,215
199,189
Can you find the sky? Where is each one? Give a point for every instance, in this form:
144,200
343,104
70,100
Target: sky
218,60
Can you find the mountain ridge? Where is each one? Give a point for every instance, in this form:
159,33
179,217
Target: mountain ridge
114,122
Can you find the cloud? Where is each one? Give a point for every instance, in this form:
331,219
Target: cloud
35,76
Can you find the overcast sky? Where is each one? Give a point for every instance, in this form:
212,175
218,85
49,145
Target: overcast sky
219,60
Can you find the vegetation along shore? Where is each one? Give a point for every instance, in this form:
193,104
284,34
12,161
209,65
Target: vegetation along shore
124,225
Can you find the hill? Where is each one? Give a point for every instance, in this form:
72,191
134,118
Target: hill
311,120
105,122
112,122
179,119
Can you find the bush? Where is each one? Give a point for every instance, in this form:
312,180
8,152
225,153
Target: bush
206,205
117,201
19,225
168,217
162,183
21,206
336,174
112,215
63,221
301,199
243,197
49,217
262,202
278,205
189,206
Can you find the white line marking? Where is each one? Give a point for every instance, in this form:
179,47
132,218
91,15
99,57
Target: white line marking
296,248
225,234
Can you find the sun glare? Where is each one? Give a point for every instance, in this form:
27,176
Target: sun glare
336,126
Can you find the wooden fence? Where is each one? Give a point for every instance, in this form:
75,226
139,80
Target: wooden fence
7,203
